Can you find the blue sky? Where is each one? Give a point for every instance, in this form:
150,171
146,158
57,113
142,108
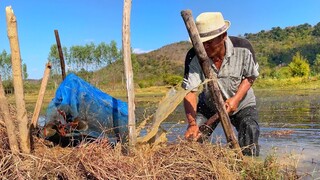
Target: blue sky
153,23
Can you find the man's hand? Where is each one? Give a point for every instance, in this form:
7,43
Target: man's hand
192,133
232,104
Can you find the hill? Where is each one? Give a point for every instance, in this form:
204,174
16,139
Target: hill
175,52
274,49
163,66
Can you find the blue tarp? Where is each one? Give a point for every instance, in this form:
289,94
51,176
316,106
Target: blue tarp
104,114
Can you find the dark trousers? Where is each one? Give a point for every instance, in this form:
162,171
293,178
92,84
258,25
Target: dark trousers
245,121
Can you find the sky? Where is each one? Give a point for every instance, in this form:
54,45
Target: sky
153,24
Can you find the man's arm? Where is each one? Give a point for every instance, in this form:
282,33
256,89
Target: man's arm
190,106
233,102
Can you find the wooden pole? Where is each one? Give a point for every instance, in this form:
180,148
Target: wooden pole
128,70
9,124
63,67
42,91
2,123
204,61
24,130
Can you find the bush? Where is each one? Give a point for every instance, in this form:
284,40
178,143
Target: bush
299,66
173,80
8,86
146,83
284,72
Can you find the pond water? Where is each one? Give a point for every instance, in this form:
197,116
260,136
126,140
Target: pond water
298,112
289,125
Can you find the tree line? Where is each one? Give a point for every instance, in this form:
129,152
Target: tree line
6,70
89,57
288,52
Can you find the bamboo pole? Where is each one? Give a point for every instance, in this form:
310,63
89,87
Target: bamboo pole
42,91
62,64
213,85
128,70
24,131
9,124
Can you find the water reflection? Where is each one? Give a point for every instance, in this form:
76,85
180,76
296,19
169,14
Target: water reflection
289,106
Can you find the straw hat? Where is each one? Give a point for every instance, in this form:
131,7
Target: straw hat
211,25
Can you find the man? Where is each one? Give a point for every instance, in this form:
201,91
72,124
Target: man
236,71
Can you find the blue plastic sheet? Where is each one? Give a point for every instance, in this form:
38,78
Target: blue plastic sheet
104,114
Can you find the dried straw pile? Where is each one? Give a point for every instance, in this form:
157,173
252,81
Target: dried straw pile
184,160
97,160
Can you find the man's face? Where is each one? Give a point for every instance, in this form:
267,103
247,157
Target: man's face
214,46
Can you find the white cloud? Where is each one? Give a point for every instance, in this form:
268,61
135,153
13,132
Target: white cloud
140,51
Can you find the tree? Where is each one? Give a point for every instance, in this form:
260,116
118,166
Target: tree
54,60
100,54
304,30
316,30
5,66
299,66
316,66
114,52
89,57
277,33
24,71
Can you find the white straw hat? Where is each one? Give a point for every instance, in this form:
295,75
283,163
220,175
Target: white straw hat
211,25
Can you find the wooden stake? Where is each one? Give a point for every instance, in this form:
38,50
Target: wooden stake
22,118
128,70
9,124
63,67
212,85
42,91
2,123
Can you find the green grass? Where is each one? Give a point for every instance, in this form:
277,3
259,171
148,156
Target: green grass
31,98
289,83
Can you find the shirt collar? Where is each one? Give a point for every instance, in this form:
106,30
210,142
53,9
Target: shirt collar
229,47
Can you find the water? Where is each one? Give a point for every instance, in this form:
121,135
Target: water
290,106
296,112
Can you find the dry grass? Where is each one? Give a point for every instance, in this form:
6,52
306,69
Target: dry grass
182,160
98,160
